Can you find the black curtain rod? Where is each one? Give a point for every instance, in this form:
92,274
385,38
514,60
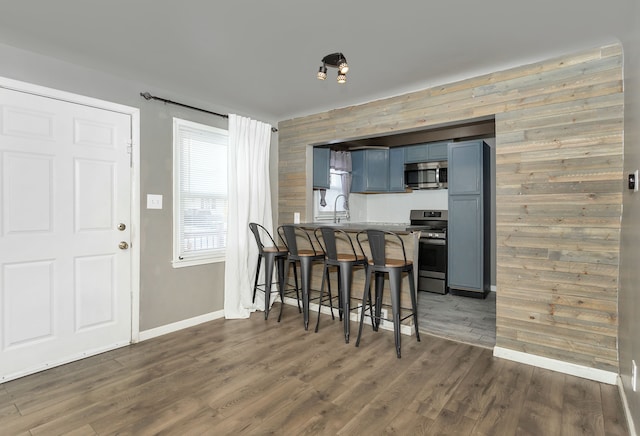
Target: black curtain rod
148,96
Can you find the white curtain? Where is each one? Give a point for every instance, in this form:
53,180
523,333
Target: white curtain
249,201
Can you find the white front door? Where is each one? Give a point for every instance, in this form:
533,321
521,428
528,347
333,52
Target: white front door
65,192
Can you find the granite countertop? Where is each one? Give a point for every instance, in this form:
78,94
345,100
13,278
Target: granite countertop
401,228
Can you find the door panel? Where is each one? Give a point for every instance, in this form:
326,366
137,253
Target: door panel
65,285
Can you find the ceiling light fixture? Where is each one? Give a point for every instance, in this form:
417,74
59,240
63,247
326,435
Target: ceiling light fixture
334,60
322,72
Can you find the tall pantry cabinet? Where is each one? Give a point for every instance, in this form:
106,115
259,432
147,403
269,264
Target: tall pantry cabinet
468,235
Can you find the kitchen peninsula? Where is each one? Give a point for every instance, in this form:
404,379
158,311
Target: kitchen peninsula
409,235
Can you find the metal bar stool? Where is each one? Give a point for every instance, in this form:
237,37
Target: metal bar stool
306,257
345,262
271,254
380,265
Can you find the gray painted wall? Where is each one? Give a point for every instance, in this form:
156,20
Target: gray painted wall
167,295
629,293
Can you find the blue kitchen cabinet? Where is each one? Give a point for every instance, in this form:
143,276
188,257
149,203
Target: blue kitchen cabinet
429,152
396,169
438,151
468,232
370,170
321,161
416,153
465,173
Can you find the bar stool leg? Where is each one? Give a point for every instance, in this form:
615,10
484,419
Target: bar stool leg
255,283
346,275
269,260
395,277
305,278
286,280
280,272
414,303
324,277
379,292
366,301
295,280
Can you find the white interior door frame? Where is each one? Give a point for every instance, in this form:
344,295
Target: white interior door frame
134,113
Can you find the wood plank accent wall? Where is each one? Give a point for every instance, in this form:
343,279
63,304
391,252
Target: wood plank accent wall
559,182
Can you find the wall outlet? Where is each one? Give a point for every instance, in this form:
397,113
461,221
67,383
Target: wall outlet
383,313
296,217
634,376
383,321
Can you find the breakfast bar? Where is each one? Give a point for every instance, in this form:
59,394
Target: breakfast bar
410,236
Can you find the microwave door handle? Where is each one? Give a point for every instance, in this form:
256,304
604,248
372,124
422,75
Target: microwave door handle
438,176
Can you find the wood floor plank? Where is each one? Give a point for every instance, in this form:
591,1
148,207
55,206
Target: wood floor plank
582,411
409,423
543,403
445,379
611,406
504,401
263,377
328,419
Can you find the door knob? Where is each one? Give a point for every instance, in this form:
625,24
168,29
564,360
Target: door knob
123,245
121,226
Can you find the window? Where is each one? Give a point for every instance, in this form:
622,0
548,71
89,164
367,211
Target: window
200,193
326,212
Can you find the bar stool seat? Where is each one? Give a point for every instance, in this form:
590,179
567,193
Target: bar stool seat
272,255
379,265
345,262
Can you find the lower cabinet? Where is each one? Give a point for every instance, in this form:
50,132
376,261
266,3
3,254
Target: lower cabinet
465,241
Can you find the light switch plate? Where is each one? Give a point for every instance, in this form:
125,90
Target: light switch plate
154,201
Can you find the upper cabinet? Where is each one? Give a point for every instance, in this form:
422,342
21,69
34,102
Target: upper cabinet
321,161
377,170
370,170
433,151
396,169
466,165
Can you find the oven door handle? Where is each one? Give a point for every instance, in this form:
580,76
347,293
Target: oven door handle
432,241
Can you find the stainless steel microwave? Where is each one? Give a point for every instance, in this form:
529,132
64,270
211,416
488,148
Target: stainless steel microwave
426,175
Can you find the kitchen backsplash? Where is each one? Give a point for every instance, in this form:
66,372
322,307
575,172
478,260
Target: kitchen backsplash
394,207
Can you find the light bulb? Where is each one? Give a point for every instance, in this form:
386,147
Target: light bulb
322,73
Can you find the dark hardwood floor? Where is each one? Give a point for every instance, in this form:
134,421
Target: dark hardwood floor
263,377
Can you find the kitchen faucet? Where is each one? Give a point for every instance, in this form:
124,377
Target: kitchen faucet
335,208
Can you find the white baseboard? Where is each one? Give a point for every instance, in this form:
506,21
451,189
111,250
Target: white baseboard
627,411
179,325
385,325
598,375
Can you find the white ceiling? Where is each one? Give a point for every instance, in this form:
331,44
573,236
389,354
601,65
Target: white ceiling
260,58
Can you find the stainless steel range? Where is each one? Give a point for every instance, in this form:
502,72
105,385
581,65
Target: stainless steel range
432,255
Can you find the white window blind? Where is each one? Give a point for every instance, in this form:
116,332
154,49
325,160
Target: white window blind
200,193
